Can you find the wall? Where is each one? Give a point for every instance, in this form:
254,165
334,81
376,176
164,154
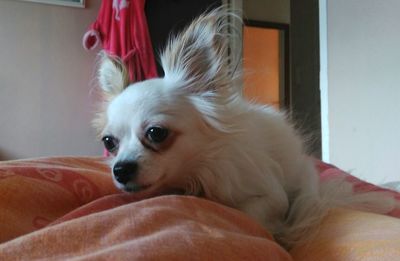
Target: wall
363,89
46,79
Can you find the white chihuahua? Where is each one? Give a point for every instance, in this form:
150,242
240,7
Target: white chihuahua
193,131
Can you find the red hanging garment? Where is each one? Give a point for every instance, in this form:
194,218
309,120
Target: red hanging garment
121,28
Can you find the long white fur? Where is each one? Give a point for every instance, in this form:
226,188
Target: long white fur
241,154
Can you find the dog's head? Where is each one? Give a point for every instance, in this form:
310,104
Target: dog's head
161,131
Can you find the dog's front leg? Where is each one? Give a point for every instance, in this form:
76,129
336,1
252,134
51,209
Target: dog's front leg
267,210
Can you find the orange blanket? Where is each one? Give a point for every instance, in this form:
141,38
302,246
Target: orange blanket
35,192
59,208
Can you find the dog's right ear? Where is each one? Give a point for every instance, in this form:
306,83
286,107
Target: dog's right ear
113,78
112,75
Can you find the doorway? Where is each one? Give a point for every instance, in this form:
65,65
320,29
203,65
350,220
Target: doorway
266,63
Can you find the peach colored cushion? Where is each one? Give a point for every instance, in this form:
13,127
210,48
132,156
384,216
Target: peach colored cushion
160,228
35,192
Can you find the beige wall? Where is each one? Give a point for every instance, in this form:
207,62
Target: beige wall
363,75
46,79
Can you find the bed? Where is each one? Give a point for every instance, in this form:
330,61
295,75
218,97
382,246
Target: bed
68,208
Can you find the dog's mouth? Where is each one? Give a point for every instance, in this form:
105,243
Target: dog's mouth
150,190
134,187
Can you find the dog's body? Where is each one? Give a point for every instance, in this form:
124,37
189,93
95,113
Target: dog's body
193,131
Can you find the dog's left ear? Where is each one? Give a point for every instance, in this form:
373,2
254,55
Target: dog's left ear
197,59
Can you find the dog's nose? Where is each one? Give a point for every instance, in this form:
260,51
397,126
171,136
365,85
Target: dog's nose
125,171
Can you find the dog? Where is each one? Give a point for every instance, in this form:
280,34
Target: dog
192,131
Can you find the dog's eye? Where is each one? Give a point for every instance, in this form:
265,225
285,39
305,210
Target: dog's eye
157,134
110,143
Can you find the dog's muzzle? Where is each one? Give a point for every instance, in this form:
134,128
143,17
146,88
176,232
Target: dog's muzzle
125,171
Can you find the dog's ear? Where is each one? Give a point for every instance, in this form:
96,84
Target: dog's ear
112,75
198,57
113,78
